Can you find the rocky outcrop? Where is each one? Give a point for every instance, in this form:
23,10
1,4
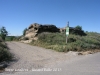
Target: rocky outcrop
35,29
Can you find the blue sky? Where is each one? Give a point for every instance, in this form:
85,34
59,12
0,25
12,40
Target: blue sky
16,15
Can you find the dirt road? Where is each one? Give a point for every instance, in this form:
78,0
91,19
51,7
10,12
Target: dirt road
29,57
34,60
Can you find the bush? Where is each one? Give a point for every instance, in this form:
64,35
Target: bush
5,55
52,38
3,33
2,44
1,39
78,27
57,41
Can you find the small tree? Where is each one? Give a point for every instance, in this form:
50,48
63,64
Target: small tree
3,32
78,27
24,31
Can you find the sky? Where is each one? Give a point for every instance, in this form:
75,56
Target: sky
16,15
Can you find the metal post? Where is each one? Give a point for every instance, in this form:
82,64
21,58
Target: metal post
66,39
67,32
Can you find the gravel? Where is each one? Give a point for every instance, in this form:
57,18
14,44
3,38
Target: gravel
28,57
37,58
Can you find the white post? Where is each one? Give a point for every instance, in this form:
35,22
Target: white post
67,32
66,39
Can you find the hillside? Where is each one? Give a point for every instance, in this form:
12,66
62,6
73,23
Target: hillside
51,37
75,42
32,32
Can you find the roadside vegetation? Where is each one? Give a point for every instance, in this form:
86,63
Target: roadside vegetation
5,55
12,38
57,41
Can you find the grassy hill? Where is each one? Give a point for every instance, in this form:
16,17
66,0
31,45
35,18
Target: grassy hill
57,41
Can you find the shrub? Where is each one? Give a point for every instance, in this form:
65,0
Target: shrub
1,39
5,55
52,38
3,33
2,44
57,41
78,27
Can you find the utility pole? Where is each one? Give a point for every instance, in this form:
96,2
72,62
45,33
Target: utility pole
67,31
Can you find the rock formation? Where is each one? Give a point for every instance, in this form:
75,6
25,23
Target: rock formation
34,29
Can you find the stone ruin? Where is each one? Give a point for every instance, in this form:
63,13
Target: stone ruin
34,29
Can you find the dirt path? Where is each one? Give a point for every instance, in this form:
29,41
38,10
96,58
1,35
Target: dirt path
34,57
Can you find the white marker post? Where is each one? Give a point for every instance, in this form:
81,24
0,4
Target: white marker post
67,32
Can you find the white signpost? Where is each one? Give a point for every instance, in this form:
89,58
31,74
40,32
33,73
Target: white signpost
67,31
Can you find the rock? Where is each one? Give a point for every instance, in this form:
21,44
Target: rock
80,53
26,41
62,30
85,53
35,29
72,53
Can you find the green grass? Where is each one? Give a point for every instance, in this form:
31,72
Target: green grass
57,41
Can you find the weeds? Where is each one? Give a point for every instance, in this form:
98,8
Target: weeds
57,41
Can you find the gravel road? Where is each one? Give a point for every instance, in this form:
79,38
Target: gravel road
29,57
40,61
